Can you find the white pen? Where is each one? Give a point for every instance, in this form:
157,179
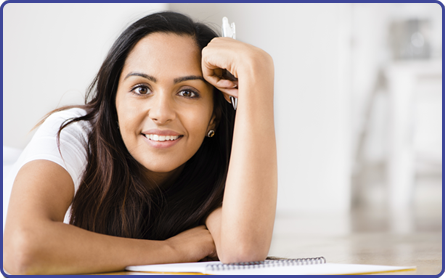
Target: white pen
228,30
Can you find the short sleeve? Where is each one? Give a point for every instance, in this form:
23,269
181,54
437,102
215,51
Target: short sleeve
72,155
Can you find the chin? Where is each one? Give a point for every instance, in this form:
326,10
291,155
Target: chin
163,164
161,167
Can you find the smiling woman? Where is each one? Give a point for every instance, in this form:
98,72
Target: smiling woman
155,167
162,92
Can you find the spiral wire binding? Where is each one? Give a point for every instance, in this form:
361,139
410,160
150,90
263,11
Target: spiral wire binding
267,263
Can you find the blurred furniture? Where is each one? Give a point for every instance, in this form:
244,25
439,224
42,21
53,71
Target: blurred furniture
405,92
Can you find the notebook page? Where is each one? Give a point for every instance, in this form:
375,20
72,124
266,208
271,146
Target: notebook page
315,269
320,269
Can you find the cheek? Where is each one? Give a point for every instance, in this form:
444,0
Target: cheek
120,107
127,118
198,121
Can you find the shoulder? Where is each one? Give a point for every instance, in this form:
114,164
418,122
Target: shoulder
52,124
70,151
60,117
69,113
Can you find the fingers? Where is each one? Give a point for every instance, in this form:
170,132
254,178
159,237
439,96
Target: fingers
221,83
218,66
226,84
227,93
227,87
218,77
193,244
227,97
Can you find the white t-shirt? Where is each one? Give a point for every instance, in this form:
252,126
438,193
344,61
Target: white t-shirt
43,145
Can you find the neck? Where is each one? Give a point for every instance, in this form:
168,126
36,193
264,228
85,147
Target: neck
164,179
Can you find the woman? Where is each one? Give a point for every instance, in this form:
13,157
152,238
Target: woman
155,166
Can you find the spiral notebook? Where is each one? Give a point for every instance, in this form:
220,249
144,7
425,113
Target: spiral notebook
303,266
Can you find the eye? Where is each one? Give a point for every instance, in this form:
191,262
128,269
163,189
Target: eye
141,90
188,93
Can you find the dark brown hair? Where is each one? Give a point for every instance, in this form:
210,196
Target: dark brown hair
114,196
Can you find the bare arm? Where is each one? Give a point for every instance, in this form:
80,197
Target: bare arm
242,228
37,242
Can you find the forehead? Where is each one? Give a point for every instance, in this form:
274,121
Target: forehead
165,53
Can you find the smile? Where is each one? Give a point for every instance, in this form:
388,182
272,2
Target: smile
161,138
158,141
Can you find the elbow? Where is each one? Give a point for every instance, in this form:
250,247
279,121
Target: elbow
19,254
244,253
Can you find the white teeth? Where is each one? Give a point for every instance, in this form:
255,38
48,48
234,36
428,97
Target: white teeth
161,138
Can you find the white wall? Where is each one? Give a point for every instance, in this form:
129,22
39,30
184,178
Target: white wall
52,52
309,44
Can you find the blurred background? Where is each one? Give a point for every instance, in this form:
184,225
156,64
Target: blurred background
358,99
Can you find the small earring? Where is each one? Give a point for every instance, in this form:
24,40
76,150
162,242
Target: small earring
211,133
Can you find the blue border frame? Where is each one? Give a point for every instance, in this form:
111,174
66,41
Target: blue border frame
141,1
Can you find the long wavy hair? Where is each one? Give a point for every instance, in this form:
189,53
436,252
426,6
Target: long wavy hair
114,197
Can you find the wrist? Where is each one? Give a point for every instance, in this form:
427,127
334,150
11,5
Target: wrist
256,61
256,75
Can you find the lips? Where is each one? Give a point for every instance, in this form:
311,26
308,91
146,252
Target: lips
161,132
161,138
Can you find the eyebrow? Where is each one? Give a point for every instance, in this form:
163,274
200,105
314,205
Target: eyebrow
190,77
175,81
146,76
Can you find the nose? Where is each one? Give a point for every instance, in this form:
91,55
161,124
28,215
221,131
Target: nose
162,110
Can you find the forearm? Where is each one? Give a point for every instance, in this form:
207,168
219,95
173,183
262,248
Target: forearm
37,242
48,247
248,211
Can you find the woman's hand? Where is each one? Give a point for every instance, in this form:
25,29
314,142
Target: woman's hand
242,60
193,245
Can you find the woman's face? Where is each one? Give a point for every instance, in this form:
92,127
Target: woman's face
164,106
